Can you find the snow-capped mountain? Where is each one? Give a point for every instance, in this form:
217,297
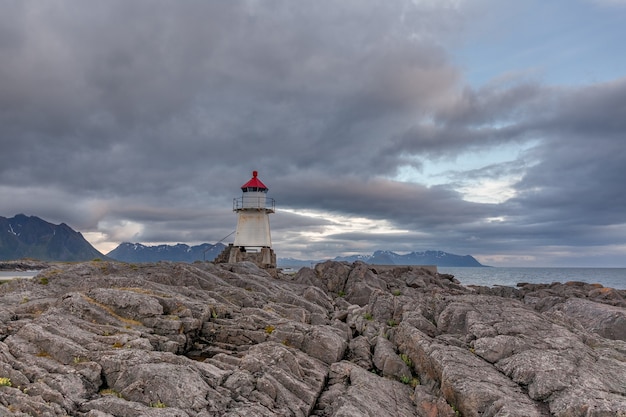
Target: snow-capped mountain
429,257
385,257
136,252
24,236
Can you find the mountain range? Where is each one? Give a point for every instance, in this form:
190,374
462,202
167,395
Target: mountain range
24,236
136,252
385,257
31,237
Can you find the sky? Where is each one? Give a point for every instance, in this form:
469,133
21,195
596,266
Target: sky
485,127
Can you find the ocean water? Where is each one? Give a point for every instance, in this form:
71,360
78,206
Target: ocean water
6,275
608,277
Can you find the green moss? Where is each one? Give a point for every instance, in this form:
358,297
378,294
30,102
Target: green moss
405,358
110,391
412,381
158,404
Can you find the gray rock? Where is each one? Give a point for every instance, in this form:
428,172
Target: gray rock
605,320
326,344
473,386
360,353
101,339
387,360
355,392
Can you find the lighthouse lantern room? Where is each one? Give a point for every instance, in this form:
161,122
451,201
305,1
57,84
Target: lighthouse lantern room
253,240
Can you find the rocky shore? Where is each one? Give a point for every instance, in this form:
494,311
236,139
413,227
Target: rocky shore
101,339
23,265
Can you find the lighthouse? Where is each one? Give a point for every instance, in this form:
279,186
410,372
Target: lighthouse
253,241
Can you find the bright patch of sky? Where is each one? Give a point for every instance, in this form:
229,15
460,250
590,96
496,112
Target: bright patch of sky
479,188
122,231
343,224
100,241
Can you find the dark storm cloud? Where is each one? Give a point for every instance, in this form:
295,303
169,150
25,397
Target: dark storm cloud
124,84
139,94
583,160
408,204
142,120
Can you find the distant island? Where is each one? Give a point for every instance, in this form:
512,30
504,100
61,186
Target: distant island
385,257
136,252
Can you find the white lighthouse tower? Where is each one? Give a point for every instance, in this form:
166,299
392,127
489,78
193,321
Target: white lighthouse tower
253,241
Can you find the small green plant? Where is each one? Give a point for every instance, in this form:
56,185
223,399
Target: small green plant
110,391
158,404
44,281
457,413
472,350
392,323
78,359
405,358
118,345
96,260
368,316
5,382
24,300
42,354
214,314
396,292
341,293
269,329
412,381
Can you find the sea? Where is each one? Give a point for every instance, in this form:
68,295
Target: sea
491,276
6,275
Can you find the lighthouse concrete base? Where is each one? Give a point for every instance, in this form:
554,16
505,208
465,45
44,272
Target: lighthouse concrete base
264,257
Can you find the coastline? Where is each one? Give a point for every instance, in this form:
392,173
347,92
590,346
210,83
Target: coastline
512,276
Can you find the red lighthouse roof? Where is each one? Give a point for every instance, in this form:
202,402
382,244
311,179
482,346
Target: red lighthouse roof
254,184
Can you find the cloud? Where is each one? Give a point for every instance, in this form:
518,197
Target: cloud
141,121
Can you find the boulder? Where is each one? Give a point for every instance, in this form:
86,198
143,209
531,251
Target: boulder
353,392
388,361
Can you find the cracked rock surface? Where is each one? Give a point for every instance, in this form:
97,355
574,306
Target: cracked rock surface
102,339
